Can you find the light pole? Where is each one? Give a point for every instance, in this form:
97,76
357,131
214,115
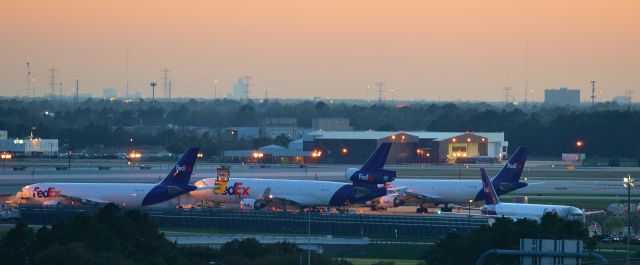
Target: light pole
215,89
469,216
153,91
69,153
628,183
309,238
579,145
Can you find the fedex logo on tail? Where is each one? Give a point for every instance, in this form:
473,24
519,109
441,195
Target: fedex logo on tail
514,165
237,189
183,168
365,177
51,192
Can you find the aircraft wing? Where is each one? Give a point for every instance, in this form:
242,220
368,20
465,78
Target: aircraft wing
398,190
282,199
84,200
421,197
288,200
208,187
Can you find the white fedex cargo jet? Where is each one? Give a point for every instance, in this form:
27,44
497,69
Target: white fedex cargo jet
445,191
367,184
124,194
494,207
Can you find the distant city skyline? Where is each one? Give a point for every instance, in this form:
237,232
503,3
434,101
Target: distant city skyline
423,50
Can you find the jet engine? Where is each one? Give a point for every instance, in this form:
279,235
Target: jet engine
51,203
252,204
389,201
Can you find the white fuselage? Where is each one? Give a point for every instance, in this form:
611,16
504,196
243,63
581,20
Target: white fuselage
304,192
444,190
124,194
533,211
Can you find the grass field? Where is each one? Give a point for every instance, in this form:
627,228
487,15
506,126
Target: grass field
357,261
378,251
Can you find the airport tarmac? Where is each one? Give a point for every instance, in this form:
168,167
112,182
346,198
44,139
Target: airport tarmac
12,181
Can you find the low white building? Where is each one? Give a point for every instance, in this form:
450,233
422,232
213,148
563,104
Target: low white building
30,147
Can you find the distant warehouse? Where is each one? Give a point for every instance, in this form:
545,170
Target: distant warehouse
28,147
408,147
354,147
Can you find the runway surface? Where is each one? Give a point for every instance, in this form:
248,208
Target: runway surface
589,182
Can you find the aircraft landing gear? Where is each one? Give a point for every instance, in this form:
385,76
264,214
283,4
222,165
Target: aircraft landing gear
446,209
422,209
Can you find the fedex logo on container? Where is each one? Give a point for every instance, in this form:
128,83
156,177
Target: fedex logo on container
237,189
51,192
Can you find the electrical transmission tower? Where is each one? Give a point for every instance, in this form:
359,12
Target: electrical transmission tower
247,80
76,97
28,79
380,85
593,93
52,80
507,95
165,85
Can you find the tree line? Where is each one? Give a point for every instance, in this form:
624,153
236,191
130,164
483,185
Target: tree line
607,130
503,234
117,237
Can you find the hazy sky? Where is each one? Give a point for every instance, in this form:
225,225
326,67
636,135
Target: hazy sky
332,49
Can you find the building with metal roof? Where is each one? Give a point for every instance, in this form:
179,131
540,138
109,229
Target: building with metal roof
408,147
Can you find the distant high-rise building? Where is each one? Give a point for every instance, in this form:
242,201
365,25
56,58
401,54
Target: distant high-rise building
240,89
109,93
562,97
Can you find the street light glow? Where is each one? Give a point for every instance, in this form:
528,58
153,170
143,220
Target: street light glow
135,154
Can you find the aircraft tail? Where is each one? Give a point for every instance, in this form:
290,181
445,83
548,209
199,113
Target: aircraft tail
508,179
372,172
490,198
181,172
378,158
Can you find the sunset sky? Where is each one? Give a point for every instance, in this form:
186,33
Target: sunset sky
434,50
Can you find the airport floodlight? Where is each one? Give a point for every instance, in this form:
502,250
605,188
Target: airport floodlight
579,143
135,155
629,182
345,150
